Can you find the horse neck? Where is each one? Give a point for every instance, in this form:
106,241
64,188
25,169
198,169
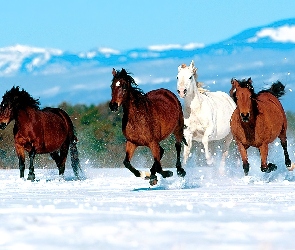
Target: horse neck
24,115
132,104
193,94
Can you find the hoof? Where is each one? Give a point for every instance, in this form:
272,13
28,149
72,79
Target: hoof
166,174
292,167
181,172
153,180
31,177
270,167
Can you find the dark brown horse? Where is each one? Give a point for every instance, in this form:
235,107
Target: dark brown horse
258,120
148,119
36,131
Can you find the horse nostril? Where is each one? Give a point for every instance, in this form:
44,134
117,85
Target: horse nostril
113,106
185,91
178,91
245,117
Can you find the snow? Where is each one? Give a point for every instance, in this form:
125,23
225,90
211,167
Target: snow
283,34
112,209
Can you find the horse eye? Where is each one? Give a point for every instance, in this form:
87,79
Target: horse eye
190,77
177,77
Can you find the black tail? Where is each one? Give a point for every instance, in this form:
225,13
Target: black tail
75,158
277,89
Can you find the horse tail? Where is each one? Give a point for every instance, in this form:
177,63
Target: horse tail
277,89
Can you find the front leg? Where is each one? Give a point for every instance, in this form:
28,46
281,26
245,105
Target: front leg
130,148
31,175
21,159
244,156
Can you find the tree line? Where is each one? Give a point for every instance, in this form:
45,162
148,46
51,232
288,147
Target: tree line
101,142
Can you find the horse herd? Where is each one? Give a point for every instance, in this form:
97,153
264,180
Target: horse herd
249,118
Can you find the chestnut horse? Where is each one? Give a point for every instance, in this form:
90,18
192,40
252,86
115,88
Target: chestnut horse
147,119
36,131
258,120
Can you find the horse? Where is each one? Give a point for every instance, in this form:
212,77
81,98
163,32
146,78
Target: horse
206,114
148,118
38,131
258,120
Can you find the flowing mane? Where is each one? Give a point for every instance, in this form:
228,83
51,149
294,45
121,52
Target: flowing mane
138,93
20,99
277,89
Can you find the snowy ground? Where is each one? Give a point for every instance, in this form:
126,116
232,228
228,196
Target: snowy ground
112,209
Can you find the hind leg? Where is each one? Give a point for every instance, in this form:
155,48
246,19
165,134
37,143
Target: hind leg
60,158
283,140
180,171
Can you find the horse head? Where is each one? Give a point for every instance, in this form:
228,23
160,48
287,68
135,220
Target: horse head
121,84
243,93
186,78
12,101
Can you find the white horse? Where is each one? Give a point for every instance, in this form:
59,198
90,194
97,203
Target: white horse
206,114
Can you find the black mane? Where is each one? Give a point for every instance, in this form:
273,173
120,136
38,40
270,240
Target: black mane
277,89
123,74
20,99
247,84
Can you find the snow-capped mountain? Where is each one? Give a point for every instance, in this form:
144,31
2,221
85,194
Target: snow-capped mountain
265,53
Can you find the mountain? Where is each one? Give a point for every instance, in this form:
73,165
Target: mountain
265,53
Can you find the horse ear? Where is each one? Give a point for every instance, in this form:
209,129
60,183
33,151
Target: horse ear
250,80
179,67
192,65
114,72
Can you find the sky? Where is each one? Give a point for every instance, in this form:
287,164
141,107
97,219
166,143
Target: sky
79,25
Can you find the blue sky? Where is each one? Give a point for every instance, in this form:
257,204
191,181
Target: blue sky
82,25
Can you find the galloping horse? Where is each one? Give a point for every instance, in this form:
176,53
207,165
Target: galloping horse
36,131
148,119
258,120
206,114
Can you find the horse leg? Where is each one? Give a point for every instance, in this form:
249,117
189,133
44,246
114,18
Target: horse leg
244,156
180,171
263,155
283,140
226,143
187,148
31,175
157,168
21,159
130,148
63,153
205,141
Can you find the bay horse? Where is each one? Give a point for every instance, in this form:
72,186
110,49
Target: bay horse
258,120
206,114
38,131
148,118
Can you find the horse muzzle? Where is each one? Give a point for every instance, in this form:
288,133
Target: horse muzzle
3,125
245,117
182,93
113,106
